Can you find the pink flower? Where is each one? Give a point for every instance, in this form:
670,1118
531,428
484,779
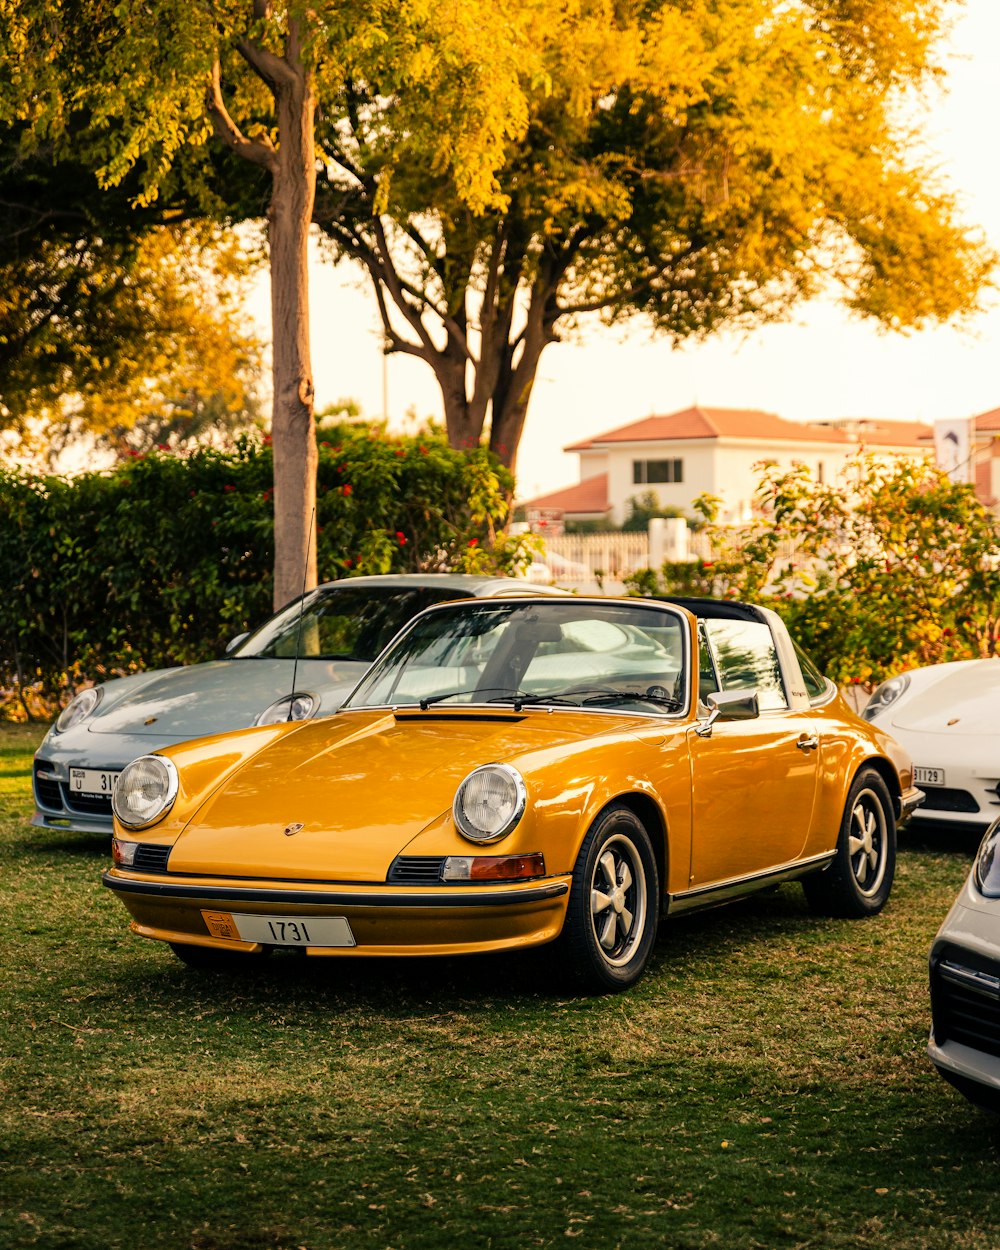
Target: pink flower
346,489
473,542
227,487
401,538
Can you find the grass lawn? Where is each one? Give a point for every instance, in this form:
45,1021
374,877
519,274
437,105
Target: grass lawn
765,1086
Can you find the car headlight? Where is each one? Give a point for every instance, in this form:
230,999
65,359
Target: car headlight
288,707
886,694
986,869
145,791
489,802
79,708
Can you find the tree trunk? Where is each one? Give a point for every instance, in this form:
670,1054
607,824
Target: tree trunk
293,430
514,383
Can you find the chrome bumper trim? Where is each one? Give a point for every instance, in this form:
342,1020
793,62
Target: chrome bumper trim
447,896
909,800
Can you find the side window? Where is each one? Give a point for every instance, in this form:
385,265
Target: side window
817,686
707,681
746,659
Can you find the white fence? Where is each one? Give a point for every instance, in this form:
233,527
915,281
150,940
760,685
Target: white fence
593,561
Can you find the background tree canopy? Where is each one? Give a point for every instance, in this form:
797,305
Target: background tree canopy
503,169
704,163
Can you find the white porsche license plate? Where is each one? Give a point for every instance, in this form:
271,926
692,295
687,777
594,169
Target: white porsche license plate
281,930
928,776
92,781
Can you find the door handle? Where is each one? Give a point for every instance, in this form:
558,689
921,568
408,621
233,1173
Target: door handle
807,742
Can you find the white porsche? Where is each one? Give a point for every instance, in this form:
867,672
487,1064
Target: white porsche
947,716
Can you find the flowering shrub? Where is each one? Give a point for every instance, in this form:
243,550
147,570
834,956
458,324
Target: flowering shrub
164,559
893,567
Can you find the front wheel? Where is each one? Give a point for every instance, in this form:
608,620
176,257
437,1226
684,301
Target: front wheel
858,882
614,904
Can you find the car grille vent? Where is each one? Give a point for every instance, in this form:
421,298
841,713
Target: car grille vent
89,805
967,1006
46,788
417,868
149,858
945,799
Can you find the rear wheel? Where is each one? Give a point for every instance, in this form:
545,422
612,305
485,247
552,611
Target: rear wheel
614,904
213,959
858,881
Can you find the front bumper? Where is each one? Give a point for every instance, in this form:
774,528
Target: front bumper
909,801
965,999
384,919
57,807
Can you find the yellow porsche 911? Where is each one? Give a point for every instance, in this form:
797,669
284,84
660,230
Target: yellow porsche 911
516,772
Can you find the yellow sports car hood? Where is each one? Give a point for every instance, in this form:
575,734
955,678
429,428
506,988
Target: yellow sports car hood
339,799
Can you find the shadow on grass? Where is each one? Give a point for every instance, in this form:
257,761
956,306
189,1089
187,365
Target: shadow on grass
941,838
49,842
415,986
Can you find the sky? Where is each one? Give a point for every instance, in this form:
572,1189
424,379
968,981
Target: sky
820,365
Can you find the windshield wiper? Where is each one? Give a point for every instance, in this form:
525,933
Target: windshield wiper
517,697
429,699
602,694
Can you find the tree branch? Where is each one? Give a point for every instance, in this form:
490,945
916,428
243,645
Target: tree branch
259,151
271,69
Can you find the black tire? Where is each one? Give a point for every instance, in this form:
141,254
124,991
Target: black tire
212,959
858,882
614,904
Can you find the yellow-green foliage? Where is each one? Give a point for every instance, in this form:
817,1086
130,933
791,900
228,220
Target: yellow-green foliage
892,567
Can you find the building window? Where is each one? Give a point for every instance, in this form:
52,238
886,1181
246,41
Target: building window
648,472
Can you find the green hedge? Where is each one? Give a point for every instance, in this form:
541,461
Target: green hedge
162,560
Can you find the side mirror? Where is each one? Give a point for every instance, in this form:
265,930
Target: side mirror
233,643
729,705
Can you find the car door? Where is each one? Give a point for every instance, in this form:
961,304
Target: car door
753,781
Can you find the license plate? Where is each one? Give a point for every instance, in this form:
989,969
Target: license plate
92,781
928,776
280,930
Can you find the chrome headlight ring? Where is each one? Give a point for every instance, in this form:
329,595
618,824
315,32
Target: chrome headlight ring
489,803
145,791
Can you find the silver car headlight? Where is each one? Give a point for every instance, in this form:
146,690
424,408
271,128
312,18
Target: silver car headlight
986,869
145,791
885,695
288,707
79,708
489,802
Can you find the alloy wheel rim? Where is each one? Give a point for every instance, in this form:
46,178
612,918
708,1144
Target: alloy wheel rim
867,843
618,900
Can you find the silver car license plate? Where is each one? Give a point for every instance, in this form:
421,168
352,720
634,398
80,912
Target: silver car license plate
281,930
96,781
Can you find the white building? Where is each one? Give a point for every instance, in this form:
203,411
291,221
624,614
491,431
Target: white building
709,451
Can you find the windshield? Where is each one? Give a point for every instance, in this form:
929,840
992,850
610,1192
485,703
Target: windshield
581,654
342,622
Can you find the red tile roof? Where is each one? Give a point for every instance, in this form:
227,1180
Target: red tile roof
590,495
988,420
743,423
